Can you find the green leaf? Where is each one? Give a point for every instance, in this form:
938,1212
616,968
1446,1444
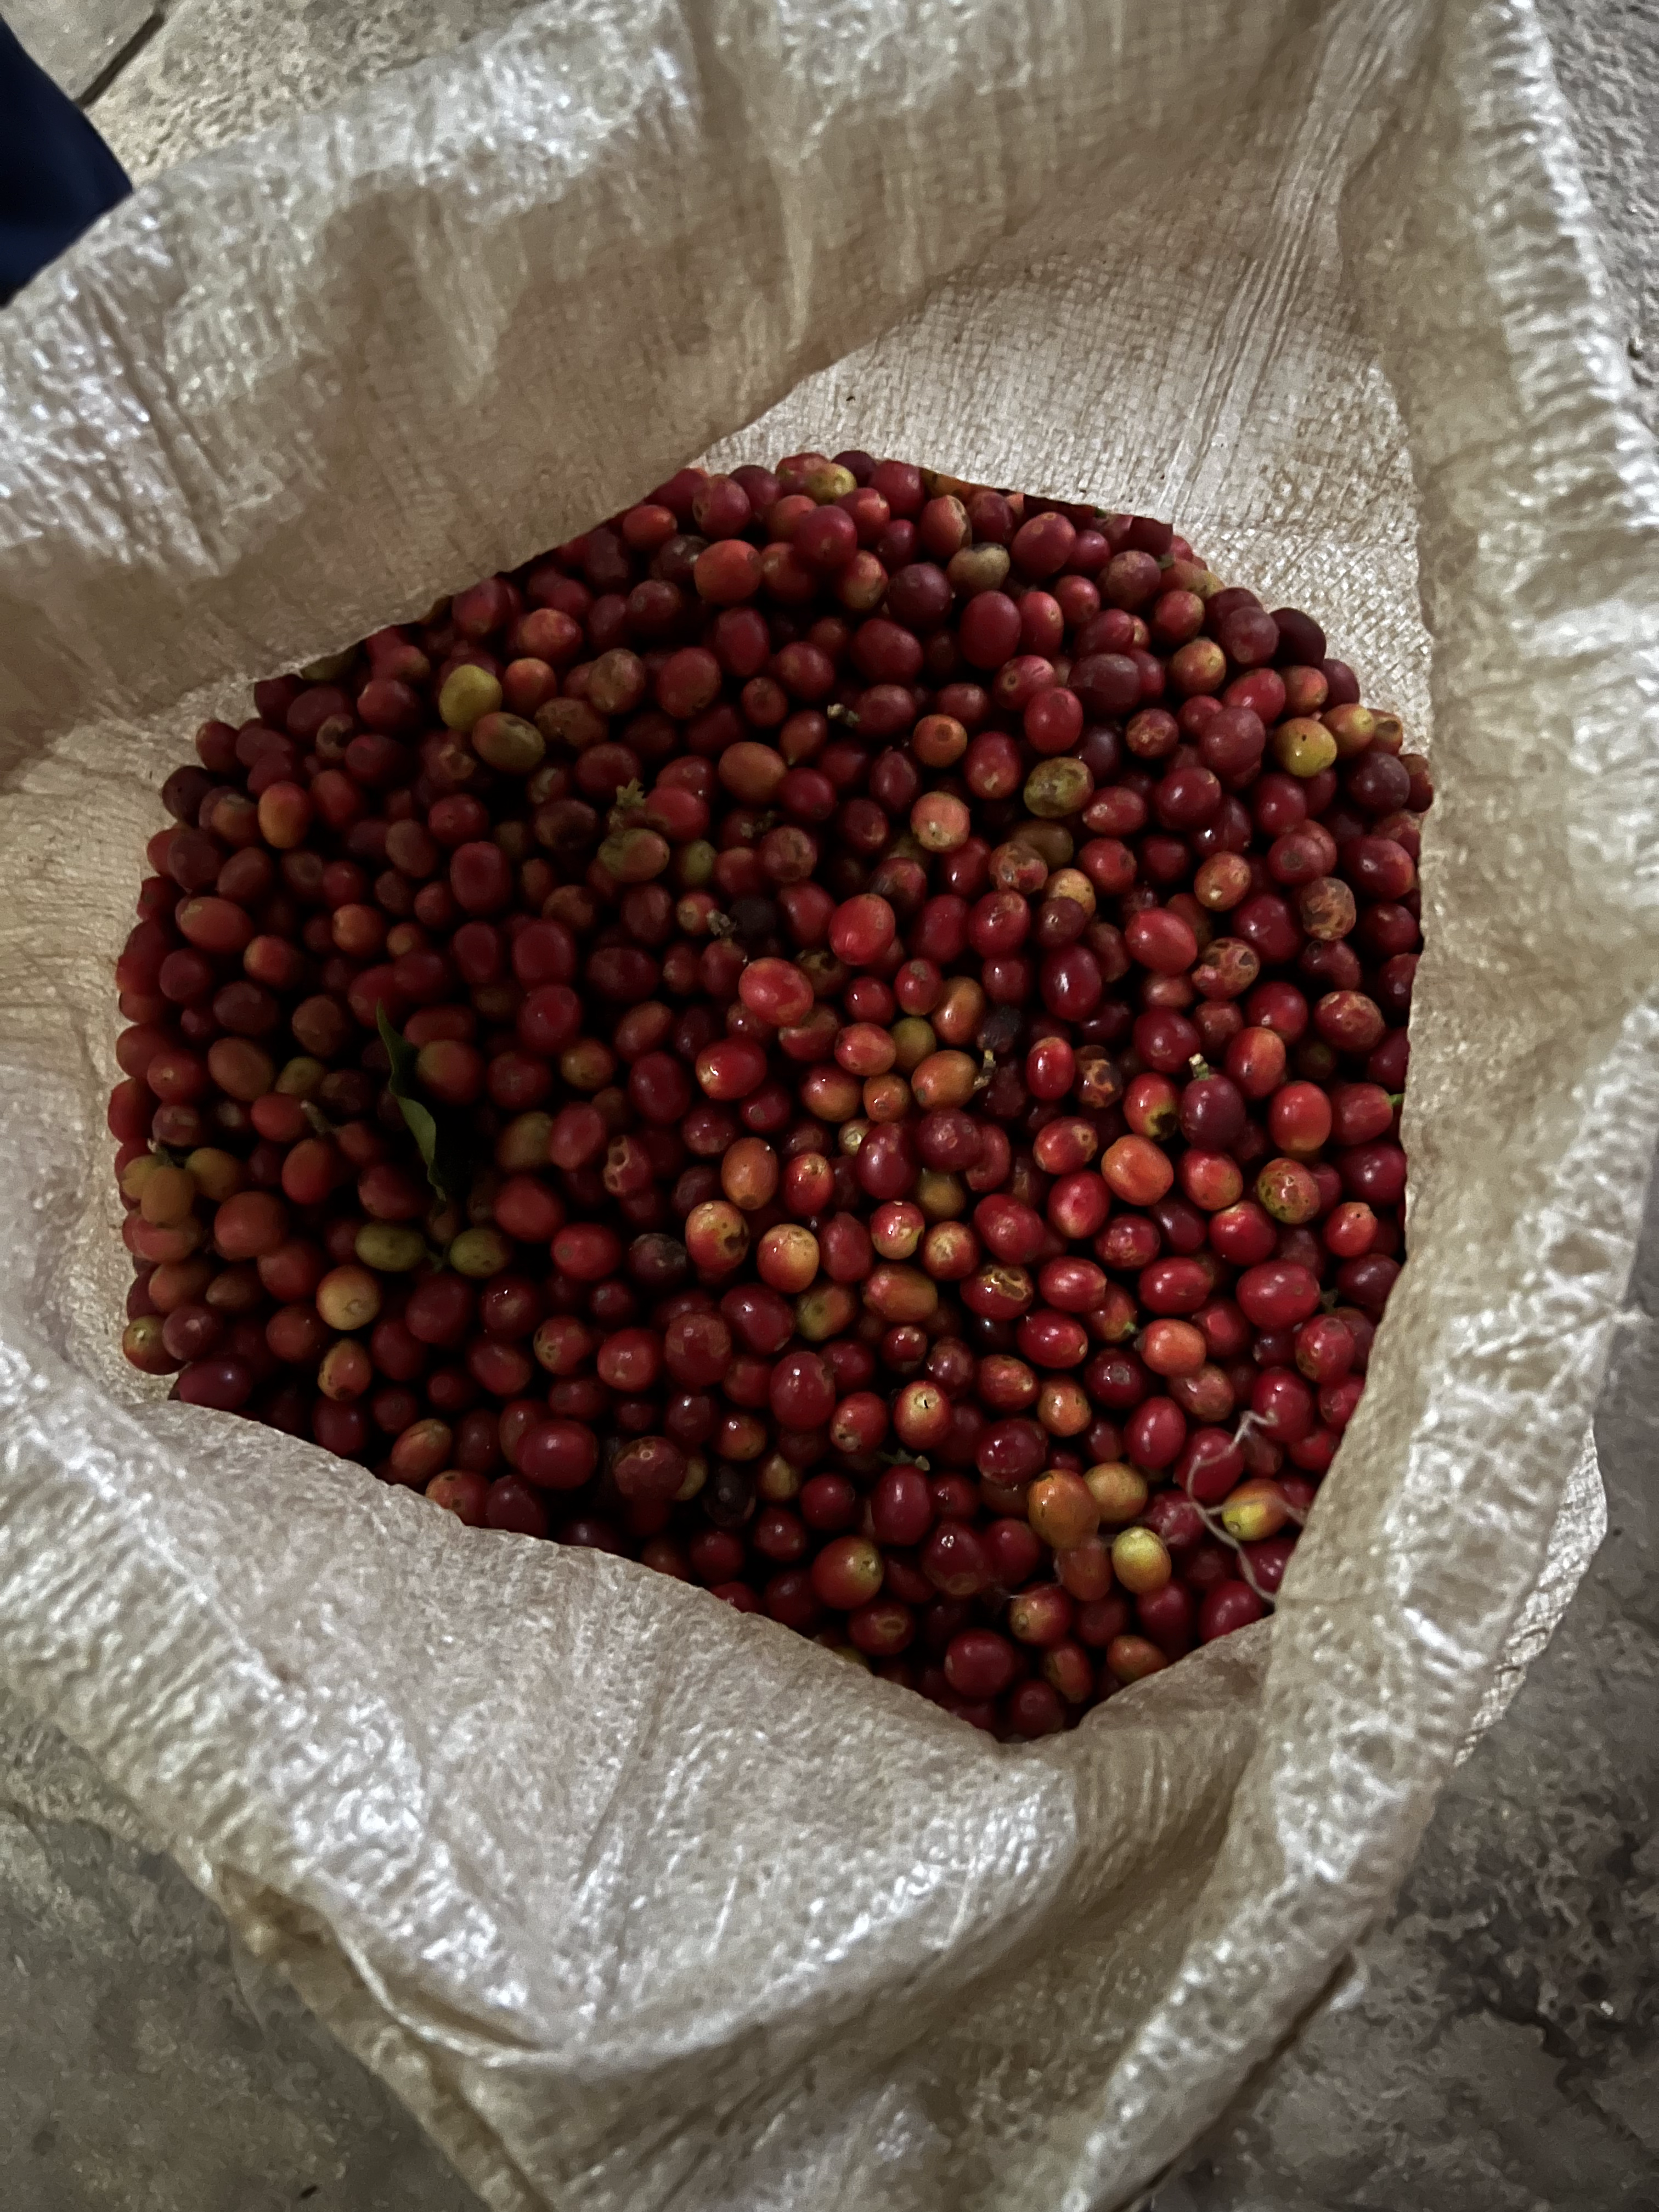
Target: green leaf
628,803
434,1141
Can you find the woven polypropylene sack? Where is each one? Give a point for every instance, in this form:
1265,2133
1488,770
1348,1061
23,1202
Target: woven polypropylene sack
637,1902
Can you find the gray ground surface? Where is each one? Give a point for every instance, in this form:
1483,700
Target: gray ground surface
1494,2049
82,46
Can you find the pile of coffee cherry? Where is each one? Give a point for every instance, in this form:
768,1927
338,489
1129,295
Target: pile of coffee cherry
841,1033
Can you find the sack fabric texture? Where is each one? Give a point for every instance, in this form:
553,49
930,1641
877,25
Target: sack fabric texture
638,1903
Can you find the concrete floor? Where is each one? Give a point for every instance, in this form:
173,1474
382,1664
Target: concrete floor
1493,2049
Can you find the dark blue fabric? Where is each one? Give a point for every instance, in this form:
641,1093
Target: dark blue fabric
57,175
